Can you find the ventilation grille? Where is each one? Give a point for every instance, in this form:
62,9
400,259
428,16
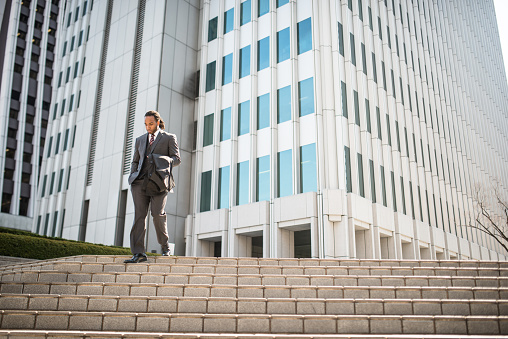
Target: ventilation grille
133,95
96,114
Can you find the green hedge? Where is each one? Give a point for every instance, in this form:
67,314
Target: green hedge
17,243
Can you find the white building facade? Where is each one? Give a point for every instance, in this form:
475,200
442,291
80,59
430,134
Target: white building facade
347,129
28,31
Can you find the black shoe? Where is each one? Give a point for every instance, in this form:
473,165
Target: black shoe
166,252
138,257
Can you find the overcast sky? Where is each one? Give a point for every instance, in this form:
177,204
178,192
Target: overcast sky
502,23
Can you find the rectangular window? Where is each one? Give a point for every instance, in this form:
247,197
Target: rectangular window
401,91
60,79
52,183
212,29
353,52
414,149
83,67
68,75
394,196
206,191
284,173
210,76
55,110
283,45
364,59
407,142
71,103
80,41
367,116
344,99
79,98
398,135
48,154
282,3
306,96
242,184
43,190
64,49
62,111
263,53
403,196
208,130
341,40
46,224
60,180
68,178
379,28
393,86
304,32
229,17
350,5
397,44
263,7
384,74
374,68
378,118
245,61
383,186
224,187
388,129
283,104
76,15
347,166
360,176
72,44
372,181
57,145
84,8
245,12
66,140
389,38
357,107
263,178
263,116
69,18
55,219
243,117
308,170
370,19
360,10
412,200
227,69
76,69
225,124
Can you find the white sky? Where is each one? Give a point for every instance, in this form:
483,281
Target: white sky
502,23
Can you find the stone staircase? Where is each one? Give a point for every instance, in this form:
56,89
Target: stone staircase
188,297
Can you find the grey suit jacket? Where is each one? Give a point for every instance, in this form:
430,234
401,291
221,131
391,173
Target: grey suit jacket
165,145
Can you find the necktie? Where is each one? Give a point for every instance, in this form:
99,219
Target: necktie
151,139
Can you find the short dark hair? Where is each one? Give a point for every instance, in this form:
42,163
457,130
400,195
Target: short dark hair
157,117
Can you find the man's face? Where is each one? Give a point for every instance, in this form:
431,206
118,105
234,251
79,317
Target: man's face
151,125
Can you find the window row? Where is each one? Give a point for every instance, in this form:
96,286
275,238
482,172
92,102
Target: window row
263,7
263,114
304,44
283,181
47,224
77,13
68,73
67,142
63,106
52,188
73,40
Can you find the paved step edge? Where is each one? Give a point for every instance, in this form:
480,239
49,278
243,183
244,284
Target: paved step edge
253,323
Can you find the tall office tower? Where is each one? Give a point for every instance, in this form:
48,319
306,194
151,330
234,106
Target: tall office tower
27,41
347,128
116,59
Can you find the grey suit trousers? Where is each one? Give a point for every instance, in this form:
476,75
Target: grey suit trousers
141,204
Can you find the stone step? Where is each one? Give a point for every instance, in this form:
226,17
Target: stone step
255,291
177,268
225,305
252,323
254,279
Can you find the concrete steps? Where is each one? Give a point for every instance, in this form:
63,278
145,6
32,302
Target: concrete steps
99,296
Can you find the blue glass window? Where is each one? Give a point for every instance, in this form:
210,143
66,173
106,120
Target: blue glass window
212,29
281,2
308,172
306,96
229,20
283,104
227,69
224,187
243,117
283,45
263,53
206,191
208,130
242,185
263,7
284,173
210,76
304,29
263,111
245,61
225,124
245,9
263,178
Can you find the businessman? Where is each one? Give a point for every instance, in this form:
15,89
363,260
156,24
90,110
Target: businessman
155,155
